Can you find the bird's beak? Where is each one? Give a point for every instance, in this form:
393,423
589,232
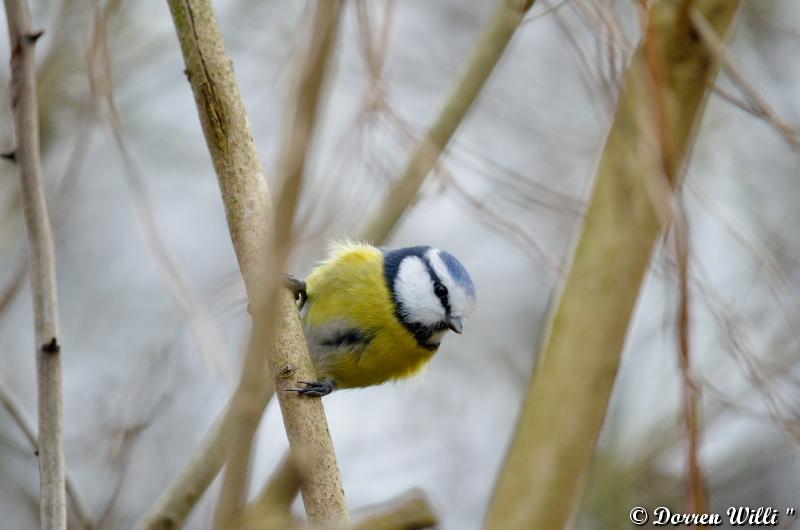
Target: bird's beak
456,324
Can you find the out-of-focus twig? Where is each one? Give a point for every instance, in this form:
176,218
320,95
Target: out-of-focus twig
204,464
718,47
201,322
15,410
53,509
272,507
546,11
551,451
411,511
667,204
465,90
692,397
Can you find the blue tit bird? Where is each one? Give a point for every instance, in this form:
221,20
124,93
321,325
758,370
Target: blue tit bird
372,315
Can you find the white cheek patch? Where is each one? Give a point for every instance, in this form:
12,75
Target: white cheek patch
414,290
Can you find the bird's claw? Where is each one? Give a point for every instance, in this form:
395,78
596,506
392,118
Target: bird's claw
297,287
314,388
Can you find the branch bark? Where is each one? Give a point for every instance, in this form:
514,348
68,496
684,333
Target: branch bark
552,449
304,419
52,507
250,221
480,64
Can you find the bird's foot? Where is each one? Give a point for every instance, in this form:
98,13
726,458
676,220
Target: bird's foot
314,388
297,286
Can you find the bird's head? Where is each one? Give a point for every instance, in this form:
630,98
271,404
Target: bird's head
431,290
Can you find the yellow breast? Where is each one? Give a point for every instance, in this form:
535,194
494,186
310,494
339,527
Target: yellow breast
349,290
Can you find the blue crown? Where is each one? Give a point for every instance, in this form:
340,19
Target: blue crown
458,272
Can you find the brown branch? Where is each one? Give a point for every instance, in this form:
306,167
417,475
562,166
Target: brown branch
53,510
551,451
199,318
692,398
667,203
249,215
304,419
484,57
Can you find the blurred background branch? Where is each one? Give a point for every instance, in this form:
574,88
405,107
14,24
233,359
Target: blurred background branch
552,449
466,88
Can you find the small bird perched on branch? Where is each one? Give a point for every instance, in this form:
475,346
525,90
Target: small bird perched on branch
371,315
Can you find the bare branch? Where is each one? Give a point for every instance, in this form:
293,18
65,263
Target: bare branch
411,511
551,450
304,419
53,510
199,318
175,504
18,415
485,55
720,50
692,397
249,216
272,507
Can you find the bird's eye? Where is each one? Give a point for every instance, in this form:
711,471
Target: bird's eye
439,289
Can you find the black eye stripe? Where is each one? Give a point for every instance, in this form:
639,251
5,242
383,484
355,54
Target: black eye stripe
438,287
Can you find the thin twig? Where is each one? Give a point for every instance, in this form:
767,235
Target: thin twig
205,463
272,507
201,322
692,398
720,49
484,57
53,509
18,415
410,511
667,202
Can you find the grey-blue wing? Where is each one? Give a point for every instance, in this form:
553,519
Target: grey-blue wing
330,342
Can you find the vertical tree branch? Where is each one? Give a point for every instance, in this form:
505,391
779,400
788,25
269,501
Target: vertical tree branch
249,217
53,510
304,419
485,55
567,400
